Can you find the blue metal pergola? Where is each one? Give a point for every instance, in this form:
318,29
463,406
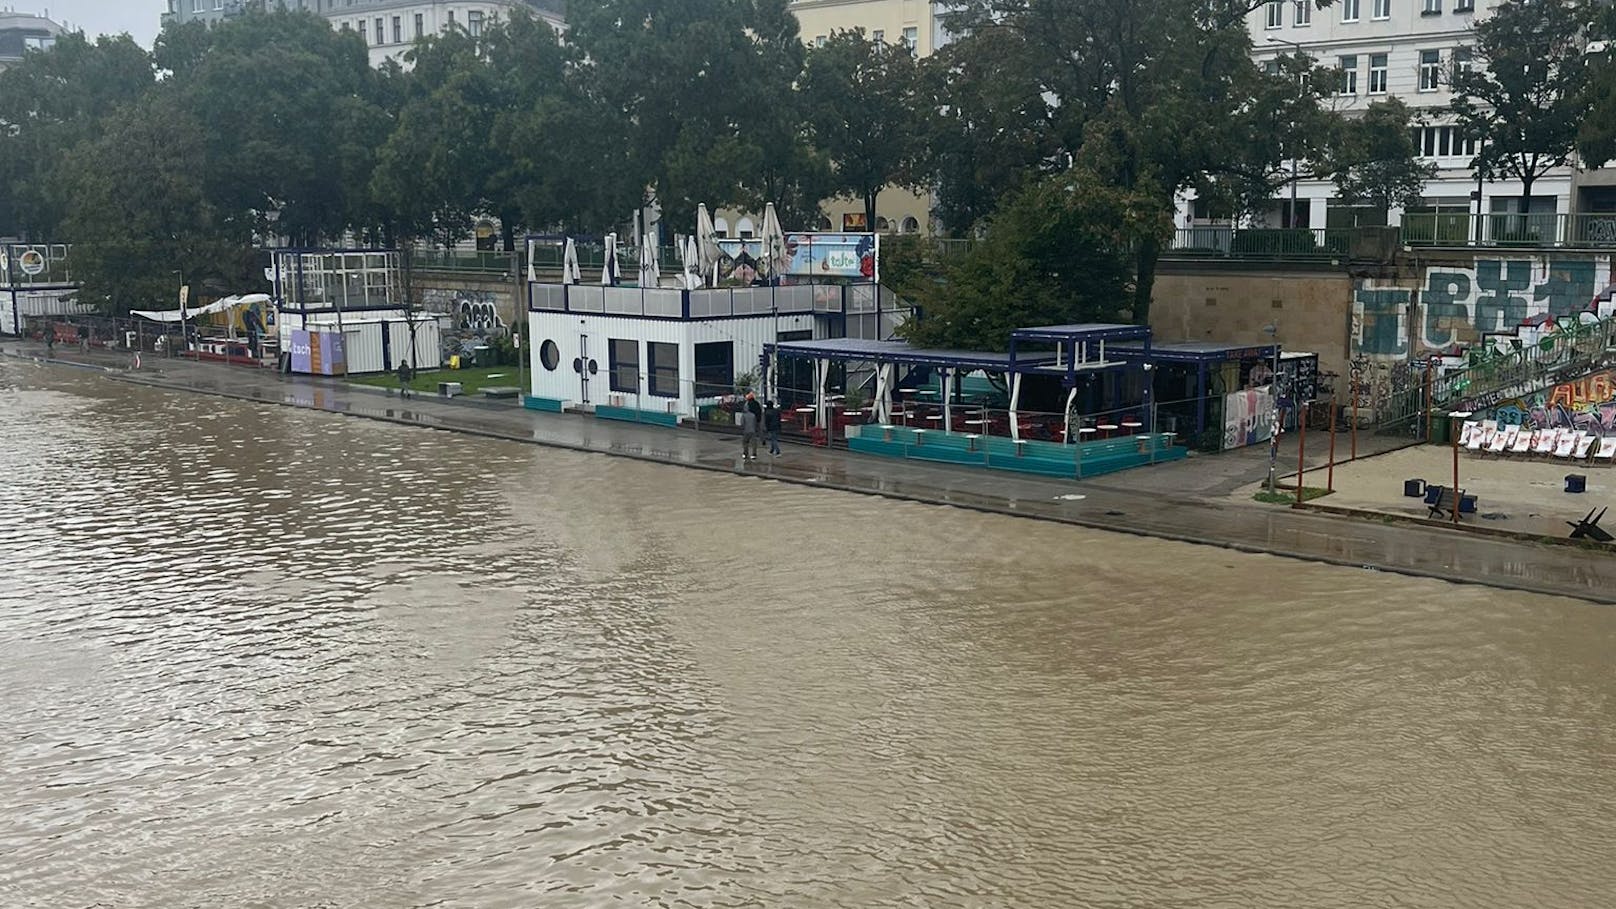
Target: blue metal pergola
1077,348
1197,355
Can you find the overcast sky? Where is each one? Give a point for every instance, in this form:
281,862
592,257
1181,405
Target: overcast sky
101,17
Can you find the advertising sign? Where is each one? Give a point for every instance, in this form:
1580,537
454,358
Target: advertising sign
855,221
854,256
31,262
318,353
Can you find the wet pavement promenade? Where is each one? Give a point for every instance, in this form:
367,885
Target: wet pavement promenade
1183,506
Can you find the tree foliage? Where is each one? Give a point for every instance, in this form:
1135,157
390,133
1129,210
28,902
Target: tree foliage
1057,251
1374,160
862,98
1525,96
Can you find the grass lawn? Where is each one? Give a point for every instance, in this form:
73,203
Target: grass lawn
1287,497
473,380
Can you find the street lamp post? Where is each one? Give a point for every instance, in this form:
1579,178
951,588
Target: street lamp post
1272,331
1296,165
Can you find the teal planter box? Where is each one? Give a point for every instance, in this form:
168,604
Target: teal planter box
630,415
548,405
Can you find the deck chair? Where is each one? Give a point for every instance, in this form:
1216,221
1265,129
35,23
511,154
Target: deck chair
1523,442
1544,445
1467,432
1478,438
1501,440
1607,450
1566,445
1585,446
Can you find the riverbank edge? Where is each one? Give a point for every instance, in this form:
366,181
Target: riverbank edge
984,508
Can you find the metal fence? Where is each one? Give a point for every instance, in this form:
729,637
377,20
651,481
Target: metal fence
1225,241
1590,230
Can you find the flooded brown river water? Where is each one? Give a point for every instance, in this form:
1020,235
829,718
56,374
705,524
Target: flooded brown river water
260,657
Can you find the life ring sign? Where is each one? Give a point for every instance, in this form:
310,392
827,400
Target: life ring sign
32,262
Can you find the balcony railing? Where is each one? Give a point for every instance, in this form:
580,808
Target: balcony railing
1224,241
1511,229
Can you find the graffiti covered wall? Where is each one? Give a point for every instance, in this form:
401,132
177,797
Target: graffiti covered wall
1450,307
1398,326
1588,403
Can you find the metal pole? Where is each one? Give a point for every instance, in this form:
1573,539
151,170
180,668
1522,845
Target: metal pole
1301,454
1274,425
1353,455
1329,477
1430,404
1455,476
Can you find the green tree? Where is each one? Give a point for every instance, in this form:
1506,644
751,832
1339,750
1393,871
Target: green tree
1057,251
864,114
671,83
1154,97
1375,160
1525,93
139,214
49,103
292,113
1596,139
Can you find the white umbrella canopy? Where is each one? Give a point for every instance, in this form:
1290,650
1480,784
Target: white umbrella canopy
650,268
570,272
690,252
773,257
706,239
610,271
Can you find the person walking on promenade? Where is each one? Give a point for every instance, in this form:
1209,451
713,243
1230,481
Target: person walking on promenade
771,426
50,340
751,425
405,374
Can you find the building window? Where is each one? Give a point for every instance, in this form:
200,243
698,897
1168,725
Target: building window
398,30
1304,13
363,34
1349,74
715,368
819,41
1444,142
1377,74
911,225
1462,60
879,36
911,40
381,34
625,365
451,25
1271,67
420,26
1276,14
664,360
1464,6
1382,9
474,23
1430,70
549,355
1432,7
1349,10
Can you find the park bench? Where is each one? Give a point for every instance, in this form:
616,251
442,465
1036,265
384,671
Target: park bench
1442,501
501,391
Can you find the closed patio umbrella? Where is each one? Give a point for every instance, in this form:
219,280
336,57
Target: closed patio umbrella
772,260
570,272
706,243
610,271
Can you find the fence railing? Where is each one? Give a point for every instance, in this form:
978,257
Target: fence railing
479,261
1490,375
1225,241
663,302
1591,230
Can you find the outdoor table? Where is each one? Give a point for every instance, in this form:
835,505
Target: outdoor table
806,413
1085,432
1107,428
1132,425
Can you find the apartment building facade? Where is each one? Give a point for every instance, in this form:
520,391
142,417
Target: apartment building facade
24,32
1403,49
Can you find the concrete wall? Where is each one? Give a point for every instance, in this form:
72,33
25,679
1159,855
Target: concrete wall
483,301
1208,302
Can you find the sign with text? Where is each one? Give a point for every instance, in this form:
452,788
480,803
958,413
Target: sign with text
316,353
844,255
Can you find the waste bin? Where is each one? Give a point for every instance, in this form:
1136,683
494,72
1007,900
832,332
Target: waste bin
1441,428
1576,482
482,355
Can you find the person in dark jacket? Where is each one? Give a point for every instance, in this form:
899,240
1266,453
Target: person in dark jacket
405,374
771,426
751,425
